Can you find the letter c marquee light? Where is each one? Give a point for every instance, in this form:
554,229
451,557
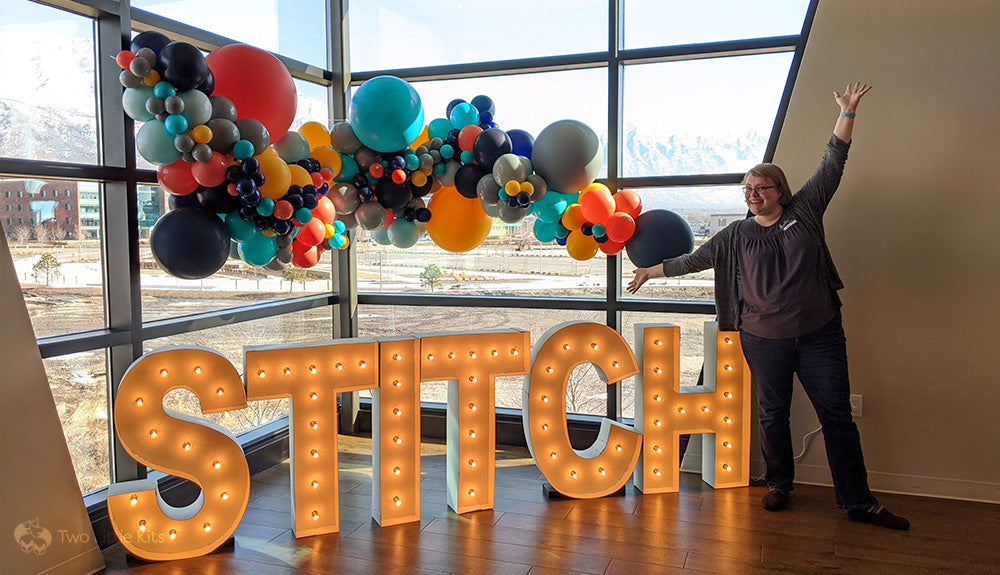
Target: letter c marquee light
183,446
607,465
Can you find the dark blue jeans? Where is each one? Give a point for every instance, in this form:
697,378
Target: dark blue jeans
820,360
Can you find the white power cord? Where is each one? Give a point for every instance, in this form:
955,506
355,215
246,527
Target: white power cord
806,441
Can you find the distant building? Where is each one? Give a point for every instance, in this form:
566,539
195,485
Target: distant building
718,221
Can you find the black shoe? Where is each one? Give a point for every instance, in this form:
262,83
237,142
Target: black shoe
775,500
880,516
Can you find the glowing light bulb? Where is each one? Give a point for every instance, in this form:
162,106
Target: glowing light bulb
362,364
314,424
615,364
314,396
513,351
224,496
139,401
472,493
287,371
312,369
207,527
397,357
545,427
220,392
657,472
727,419
573,474
397,501
681,410
545,399
262,374
472,354
553,455
197,370
706,408
472,463
602,471
397,411
430,357
657,449
396,470
397,383
657,397
657,422
142,525
314,453
472,406
397,440
657,342
451,355
134,499
315,515
173,534
657,370
473,379
216,465
187,446
618,447
549,369
153,433
728,340
339,366
727,467
163,373
567,346
494,352
727,444
315,484
472,433
594,346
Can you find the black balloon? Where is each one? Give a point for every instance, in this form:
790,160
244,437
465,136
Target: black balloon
184,66
659,235
218,200
190,243
452,104
391,195
155,41
490,144
467,179
208,86
185,201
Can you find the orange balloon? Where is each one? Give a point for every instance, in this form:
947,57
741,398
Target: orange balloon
611,247
422,139
328,158
581,247
316,134
620,227
573,218
300,176
312,233
597,205
306,258
277,178
458,224
629,202
324,210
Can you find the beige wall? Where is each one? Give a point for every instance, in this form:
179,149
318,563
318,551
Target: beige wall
914,232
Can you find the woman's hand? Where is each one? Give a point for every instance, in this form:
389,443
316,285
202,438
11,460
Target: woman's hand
849,100
641,275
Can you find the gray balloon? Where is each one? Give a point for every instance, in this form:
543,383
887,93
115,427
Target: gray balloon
140,67
225,134
487,189
350,220
223,107
568,155
284,241
154,106
284,255
490,209
173,104
370,215
188,157
448,177
344,139
509,167
510,215
276,264
202,153
345,198
184,143
148,55
129,80
254,132
540,187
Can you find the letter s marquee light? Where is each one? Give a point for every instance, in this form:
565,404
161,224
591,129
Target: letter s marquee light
183,446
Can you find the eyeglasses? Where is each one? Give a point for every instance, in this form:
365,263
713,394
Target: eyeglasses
759,190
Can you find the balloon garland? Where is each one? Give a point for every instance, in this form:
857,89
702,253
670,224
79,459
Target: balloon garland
209,125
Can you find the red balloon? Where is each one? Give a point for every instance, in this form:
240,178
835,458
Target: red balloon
629,202
257,83
620,227
325,211
597,205
283,210
611,247
312,233
176,178
210,173
305,258
467,137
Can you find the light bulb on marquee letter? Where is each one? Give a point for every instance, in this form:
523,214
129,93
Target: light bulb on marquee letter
470,363
395,414
312,375
182,446
604,467
720,408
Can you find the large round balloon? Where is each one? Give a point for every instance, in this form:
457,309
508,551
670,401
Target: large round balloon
156,144
189,243
659,235
568,155
257,83
458,224
183,66
386,114
490,145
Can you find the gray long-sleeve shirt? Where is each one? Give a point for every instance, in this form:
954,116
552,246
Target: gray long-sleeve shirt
721,251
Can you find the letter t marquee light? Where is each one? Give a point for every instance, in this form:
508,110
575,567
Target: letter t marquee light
664,410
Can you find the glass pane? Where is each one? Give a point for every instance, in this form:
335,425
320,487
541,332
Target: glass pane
311,107
404,34
79,384
651,23
305,326
236,284
700,116
54,231
586,393
47,102
707,209
294,29
692,347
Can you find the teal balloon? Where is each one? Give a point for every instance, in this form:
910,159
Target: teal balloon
439,128
134,103
258,249
545,232
303,215
176,124
463,115
561,231
551,207
386,114
292,147
197,107
164,89
403,234
239,229
338,241
156,144
381,236
339,226
348,169
265,207
242,150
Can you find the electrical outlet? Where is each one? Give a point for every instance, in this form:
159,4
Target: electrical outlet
856,404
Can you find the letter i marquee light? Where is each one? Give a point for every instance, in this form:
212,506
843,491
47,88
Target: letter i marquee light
604,467
184,446
664,410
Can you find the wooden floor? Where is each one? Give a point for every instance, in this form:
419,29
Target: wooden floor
698,530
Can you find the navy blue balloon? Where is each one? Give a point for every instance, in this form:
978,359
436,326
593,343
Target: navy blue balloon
451,106
155,41
208,86
521,142
184,66
484,104
190,243
217,199
186,201
659,235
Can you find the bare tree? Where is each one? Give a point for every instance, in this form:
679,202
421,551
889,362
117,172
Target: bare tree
20,234
41,232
